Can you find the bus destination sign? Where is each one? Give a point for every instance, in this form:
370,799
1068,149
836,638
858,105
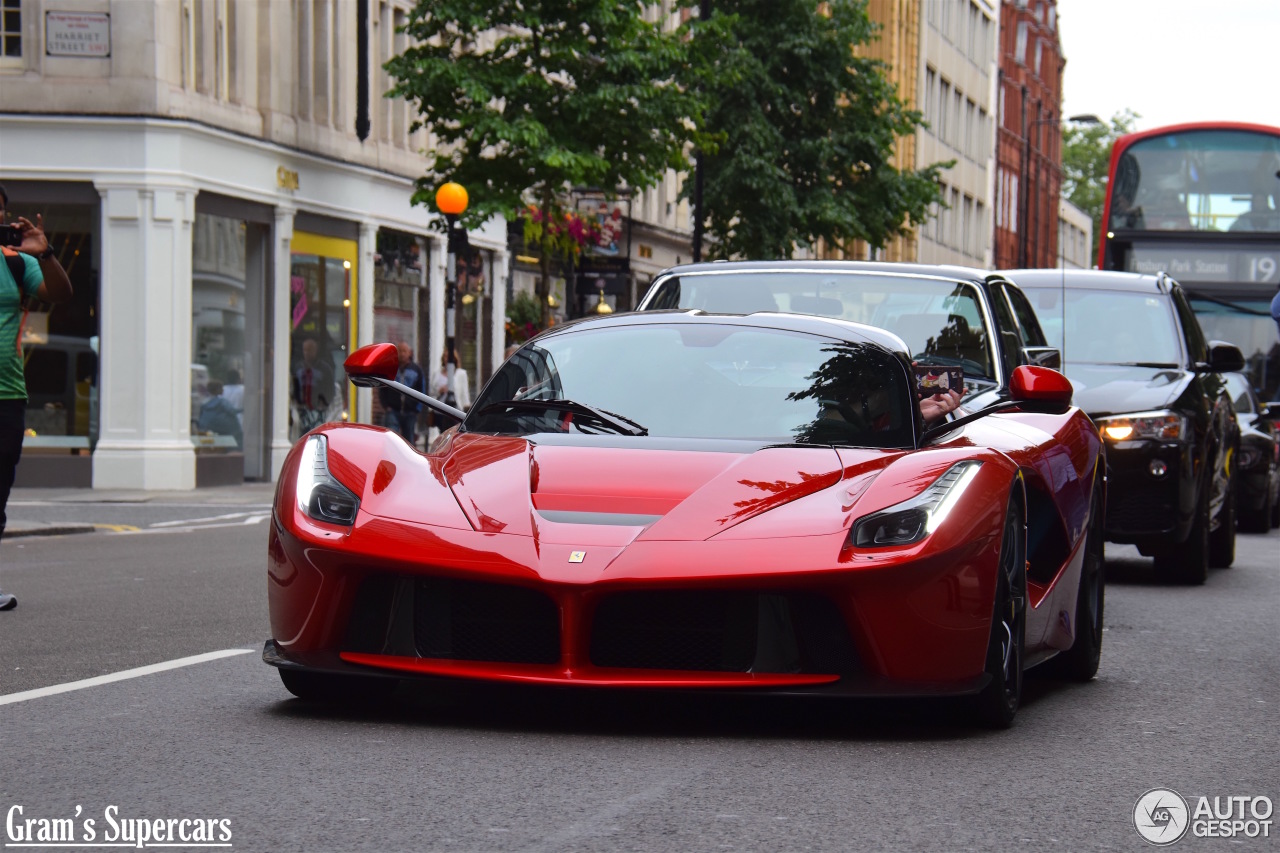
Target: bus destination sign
1228,265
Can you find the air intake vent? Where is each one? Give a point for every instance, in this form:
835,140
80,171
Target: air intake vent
468,620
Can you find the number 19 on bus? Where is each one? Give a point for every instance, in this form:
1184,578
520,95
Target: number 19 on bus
1262,268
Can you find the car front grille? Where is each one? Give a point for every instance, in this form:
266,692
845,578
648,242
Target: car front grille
471,620
1141,509
721,631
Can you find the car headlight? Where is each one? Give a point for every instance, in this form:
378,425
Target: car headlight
320,495
1162,426
914,519
1249,457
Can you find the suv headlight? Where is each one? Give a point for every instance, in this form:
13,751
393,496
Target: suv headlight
1249,457
914,519
1161,426
320,495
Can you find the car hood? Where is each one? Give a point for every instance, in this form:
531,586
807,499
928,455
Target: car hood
1105,389
610,495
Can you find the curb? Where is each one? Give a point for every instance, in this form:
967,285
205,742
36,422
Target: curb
47,530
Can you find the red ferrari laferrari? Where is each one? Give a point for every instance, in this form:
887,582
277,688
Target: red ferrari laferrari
690,501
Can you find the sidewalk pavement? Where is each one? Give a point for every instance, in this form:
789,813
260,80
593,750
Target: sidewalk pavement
246,493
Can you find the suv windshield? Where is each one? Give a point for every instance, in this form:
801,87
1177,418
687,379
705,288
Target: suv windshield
701,381
1108,326
940,320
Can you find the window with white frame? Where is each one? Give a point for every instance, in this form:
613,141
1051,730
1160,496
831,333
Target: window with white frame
10,32
967,240
944,106
930,83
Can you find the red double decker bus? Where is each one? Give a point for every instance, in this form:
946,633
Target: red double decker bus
1202,203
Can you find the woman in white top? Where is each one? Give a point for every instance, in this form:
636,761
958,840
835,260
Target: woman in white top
456,393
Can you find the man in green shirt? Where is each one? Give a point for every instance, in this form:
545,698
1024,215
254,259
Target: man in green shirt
27,251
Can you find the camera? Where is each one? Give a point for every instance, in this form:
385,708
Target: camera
10,235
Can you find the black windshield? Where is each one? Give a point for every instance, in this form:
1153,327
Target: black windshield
703,381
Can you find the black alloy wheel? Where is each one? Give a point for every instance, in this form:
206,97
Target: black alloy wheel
997,704
337,689
1222,541
1080,662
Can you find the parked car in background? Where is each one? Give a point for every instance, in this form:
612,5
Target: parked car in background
1257,464
945,315
1142,369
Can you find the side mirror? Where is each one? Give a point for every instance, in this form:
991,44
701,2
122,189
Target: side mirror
1225,357
368,364
1040,388
1043,356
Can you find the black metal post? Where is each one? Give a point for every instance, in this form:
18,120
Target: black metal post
704,12
450,293
1033,198
362,70
1022,186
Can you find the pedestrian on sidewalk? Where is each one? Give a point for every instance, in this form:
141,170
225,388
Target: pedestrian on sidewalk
400,411
30,272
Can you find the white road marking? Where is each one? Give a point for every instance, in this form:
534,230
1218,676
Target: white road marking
98,680
189,527
184,521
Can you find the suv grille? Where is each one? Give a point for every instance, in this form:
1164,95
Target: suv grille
1142,509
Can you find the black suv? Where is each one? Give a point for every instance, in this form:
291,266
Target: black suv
1144,372
944,314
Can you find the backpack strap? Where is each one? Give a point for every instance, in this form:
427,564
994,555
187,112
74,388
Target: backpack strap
18,269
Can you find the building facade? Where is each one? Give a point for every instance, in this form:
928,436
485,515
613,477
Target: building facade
1075,237
226,228
957,95
941,56
1029,145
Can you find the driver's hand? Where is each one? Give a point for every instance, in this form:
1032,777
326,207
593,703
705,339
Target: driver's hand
939,405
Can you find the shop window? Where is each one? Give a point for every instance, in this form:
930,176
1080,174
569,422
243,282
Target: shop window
322,305
475,269
60,342
399,289
218,344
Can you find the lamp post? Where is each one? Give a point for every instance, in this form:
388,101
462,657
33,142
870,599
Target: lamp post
451,200
1083,118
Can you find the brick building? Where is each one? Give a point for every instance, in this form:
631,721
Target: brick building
1029,141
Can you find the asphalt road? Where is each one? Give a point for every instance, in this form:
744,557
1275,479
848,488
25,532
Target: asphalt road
1188,697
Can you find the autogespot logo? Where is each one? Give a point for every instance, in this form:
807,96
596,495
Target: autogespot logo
1161,816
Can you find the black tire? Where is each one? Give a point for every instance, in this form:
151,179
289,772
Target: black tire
1275,512
997,704
1080,662
1188,563
336,689
1222,542
1258,520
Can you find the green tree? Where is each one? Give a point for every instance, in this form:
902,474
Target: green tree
1086,157
530,98
808,129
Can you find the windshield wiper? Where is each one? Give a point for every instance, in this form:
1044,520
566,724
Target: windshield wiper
1152,364
620,424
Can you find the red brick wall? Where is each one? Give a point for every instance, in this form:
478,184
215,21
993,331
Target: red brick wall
1028,182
